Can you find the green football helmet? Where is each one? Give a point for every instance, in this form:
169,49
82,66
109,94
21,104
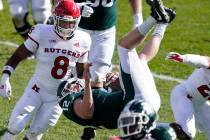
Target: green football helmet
72,85
137,119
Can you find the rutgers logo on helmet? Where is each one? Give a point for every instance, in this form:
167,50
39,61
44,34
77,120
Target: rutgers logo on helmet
66,18
136,120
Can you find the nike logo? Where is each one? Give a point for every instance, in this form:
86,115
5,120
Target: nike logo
159,16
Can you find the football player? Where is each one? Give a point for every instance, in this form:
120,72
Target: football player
58,49
137,121
90,107
40,9
190,99
1,5
101,27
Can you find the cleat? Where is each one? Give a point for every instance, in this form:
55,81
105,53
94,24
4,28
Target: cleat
171,13
158,11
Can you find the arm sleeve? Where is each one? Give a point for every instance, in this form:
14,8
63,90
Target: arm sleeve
32,43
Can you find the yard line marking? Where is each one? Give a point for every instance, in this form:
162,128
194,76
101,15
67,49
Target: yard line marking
160,76
167,78
9,44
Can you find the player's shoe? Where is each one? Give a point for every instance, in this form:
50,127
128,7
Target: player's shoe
171,13
158,11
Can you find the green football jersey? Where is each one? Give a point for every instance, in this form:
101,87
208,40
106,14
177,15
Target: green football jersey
104,16
107,108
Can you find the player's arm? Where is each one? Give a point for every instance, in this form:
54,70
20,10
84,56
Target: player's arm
80,70
190,59
84,107
136,6
20,54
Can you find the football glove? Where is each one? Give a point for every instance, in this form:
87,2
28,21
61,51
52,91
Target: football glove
86,10
191,59
5,87
175,56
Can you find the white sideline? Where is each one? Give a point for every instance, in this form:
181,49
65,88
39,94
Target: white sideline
160,76
9,44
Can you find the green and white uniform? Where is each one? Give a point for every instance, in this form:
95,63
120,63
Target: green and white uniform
101,27
104,16
136,82
107,106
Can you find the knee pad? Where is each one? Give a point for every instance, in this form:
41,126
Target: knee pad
21,24
16,8
98,71
15,127
41,15
8,136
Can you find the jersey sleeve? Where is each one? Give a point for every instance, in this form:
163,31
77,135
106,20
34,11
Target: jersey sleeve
32,43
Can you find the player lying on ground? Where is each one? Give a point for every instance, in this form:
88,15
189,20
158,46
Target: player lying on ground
190,99
99,108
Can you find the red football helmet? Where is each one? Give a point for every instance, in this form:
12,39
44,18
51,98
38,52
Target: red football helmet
66,18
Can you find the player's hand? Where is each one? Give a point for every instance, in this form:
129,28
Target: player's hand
5,87
86,10
114,138
76,86
174,56
86,72
111,77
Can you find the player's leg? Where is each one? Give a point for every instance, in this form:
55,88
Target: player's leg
1,5
136,77
19,12
135,72
202,118
41,10
22,112
46,117
183,111
100,55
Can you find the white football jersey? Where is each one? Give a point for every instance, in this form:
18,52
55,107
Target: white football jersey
198,85
56,57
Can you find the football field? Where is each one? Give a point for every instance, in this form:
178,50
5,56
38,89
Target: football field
189,33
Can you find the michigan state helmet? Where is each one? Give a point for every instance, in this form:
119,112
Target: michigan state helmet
70,86
136,120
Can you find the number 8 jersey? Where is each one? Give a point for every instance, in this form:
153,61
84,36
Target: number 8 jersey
56,57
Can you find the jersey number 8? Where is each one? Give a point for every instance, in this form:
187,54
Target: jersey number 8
60,68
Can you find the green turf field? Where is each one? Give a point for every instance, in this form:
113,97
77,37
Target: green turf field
189,33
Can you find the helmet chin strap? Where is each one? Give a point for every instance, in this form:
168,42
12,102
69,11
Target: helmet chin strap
62,36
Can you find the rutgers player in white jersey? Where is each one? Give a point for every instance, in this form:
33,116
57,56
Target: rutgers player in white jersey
190,99
57,48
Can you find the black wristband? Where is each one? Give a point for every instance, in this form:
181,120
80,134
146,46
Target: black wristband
6,72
